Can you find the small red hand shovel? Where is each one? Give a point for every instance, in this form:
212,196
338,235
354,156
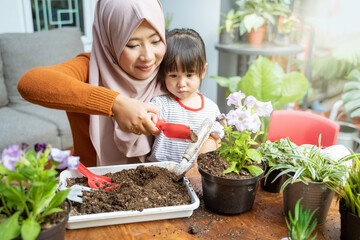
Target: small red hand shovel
95,181
176,131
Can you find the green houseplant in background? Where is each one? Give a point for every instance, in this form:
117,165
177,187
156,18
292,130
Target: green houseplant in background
229,24
299,225
351,94
254,14
286,25
274,153
349,194
266,81
310,170
28,190
343,55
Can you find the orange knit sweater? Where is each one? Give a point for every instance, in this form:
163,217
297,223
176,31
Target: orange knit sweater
65,87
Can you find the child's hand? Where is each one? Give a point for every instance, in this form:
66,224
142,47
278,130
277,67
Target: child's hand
154,118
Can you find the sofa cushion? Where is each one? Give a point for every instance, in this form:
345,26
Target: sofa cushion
29,129
21,52
3,92
56,117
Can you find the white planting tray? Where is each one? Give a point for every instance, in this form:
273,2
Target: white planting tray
120,217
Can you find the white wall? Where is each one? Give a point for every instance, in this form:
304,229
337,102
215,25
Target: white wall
15,16
203,16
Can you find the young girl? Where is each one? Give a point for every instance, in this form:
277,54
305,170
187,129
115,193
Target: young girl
181,71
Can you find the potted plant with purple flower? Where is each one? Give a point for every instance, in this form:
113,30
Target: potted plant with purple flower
230,175
28,192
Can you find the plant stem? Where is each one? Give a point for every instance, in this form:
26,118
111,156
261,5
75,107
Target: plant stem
6,210
25,206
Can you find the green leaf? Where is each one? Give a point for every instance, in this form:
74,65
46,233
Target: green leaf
10,228
254,170
254,155
14,176
3,170
355,74
37,184
232,168
351,91
299,225
251,21
14,195
266,81
350,95
222,81
51,211
263,80
230,82
30,229
59,198
351,86
355,113
294,86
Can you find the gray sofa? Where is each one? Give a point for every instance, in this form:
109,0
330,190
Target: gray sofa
21,121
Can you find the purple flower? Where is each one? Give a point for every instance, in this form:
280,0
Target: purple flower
254,123
235,99
24,145
243,120
233,116
73,162
238,118
10,156
64,158
262,109
58,155
40,147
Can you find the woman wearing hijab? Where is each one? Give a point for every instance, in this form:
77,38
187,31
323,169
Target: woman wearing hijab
105,93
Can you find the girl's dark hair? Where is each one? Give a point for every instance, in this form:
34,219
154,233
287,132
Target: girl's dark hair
186,46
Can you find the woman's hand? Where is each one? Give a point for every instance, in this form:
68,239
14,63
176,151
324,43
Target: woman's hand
135,116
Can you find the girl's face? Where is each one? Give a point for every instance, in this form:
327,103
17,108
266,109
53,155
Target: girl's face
183,84
143,52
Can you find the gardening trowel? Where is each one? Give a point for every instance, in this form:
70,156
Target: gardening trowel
179,169
176,131
76,192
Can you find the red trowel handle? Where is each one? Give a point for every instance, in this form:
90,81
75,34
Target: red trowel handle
176,131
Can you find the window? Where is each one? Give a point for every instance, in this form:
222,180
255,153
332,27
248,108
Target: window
49,14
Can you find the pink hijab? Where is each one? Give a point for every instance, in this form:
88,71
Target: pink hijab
114,22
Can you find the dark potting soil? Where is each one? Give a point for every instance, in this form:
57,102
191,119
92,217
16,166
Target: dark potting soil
55,218
141,188
212,163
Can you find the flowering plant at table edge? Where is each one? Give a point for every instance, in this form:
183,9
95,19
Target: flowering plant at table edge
28,187
238,145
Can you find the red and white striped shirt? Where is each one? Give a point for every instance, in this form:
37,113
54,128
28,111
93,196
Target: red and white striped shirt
172,110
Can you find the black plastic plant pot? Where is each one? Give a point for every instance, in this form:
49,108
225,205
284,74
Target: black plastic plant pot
56,232
350,223
270,186
228,196
315,195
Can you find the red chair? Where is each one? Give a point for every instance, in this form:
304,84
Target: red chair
302,128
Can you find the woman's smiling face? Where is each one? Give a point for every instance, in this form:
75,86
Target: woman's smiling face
143,52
